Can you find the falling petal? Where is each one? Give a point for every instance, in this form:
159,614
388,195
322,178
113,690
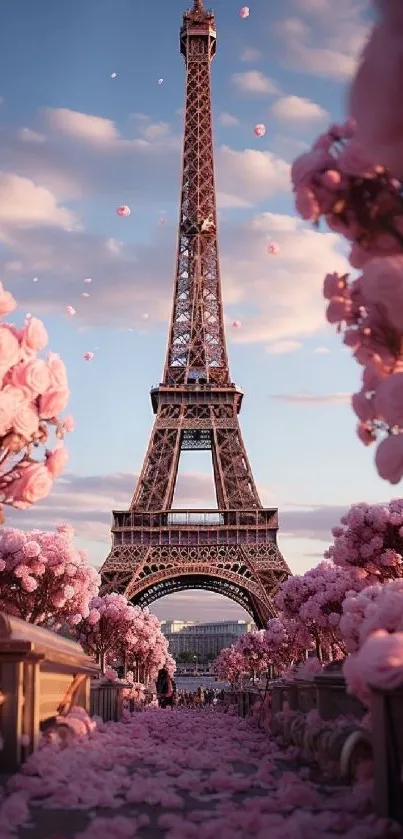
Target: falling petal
35,279
236,324
28,316
273,248
160,81
70,310
85,294
113,75
124,210
145,316
88,356
260,130
245,12
88,280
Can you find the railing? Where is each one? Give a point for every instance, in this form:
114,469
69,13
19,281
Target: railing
262,517
42,675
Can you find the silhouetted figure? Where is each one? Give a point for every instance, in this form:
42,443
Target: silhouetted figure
165,689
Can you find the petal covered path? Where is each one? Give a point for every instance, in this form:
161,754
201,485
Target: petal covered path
181,774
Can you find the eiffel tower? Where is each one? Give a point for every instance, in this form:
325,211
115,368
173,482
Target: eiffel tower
157,550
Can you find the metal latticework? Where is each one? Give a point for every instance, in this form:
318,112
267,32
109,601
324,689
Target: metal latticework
197,406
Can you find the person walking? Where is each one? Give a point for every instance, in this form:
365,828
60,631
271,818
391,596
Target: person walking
165,689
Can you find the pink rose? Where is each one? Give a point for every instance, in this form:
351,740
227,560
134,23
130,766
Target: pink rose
8,408
389,400
9,348
34,335
7,302
389,458
33,374
35,483
56,461
26,421
53,402
57,370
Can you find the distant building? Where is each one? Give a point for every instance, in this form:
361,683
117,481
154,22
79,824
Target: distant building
201,642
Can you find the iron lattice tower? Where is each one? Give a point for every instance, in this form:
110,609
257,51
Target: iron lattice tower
232,550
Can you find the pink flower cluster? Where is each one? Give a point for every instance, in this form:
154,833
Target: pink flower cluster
375,607
369,311
44,578
230,665
370,537
378,663
33,393
314,601
286,641
254,651
362,201
116,630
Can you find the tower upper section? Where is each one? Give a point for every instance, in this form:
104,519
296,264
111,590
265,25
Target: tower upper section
196,353
196,22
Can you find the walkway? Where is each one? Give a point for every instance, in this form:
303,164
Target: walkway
180,774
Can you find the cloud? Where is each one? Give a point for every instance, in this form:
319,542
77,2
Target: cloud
299,111
282,293
313,399
86,127
252,175
87,504
281,347
321,351
24,204
330,43
254,82
313,522
227,120
250,54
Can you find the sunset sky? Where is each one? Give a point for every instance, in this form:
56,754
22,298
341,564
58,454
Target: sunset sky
75,144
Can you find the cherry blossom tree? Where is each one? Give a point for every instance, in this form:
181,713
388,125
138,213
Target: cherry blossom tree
33,393
44,578
352,177
370,537
255,652
314,602
230,665
286,642
114,630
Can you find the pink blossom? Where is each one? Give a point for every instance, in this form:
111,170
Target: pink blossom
354,162
383,280
53,402
68,423
56,461
58,370
308,164
9,348
33,485
7,302
389,458
26,422
33,375
34,335
306,204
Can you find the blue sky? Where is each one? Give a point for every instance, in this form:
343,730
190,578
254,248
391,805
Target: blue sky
75,144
